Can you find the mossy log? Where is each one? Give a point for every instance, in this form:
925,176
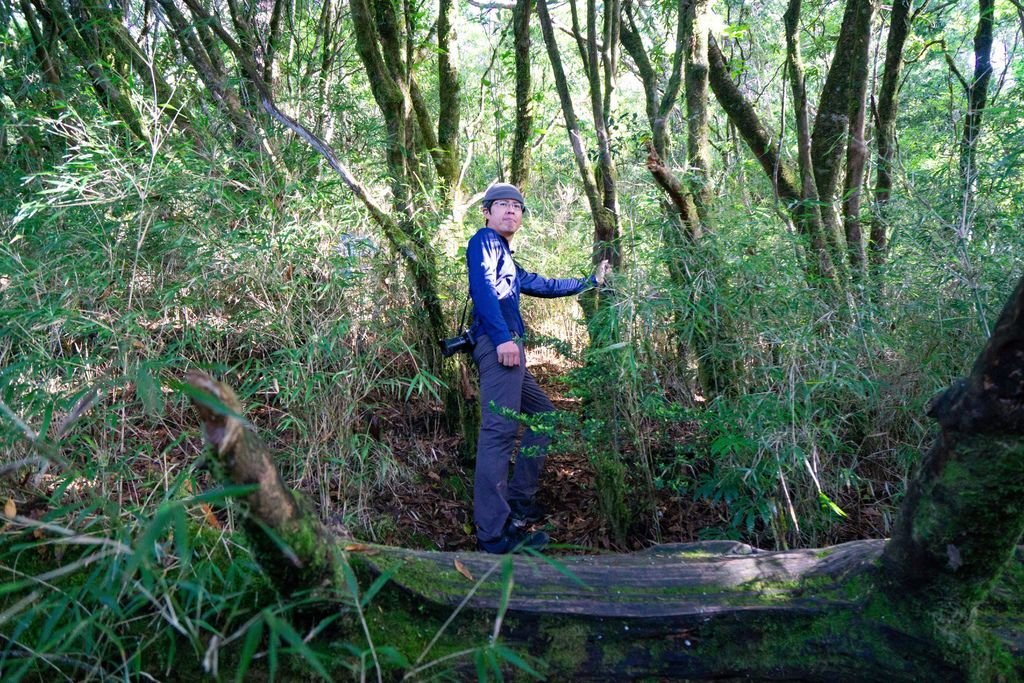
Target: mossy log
940,601
704,610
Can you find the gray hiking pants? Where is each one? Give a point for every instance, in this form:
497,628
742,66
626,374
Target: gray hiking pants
517,390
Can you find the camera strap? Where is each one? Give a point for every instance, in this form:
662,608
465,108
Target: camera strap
465,310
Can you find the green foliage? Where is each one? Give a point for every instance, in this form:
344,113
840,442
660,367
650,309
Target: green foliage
811,440
126,269
98,590
136,268
716,373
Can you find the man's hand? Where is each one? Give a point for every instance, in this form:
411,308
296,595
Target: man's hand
604,269
508,354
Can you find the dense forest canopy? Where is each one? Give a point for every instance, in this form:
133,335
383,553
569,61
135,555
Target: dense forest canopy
812,209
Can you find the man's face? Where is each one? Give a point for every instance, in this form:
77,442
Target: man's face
505,217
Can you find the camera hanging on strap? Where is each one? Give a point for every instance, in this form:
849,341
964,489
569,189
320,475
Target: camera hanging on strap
464,342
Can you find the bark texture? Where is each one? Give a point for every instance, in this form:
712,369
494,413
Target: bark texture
520,163
832,123
448,92
962,514
885,128
698,146
977,97
856,146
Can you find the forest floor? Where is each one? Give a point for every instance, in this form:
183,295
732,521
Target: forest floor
433,508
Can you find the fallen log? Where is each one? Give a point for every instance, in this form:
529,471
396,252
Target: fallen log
694,610
940,601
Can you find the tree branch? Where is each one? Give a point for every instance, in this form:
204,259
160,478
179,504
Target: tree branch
956,72
492,5
747,122
669,184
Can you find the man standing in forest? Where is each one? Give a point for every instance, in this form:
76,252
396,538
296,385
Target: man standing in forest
504,509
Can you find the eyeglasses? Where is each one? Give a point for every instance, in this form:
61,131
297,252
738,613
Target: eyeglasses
503,205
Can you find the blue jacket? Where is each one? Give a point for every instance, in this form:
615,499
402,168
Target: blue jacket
495,282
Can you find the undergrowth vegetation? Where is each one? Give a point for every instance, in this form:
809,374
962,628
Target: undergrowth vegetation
123,265
123,270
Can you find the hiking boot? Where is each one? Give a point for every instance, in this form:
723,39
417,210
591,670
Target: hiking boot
514,539
526,511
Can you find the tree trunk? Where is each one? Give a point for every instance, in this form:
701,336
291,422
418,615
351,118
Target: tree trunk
449,107
885,133
658,110
697,146
856,147
798,196
962,513
832,123
808,212
869,610
600,191
602,62
758,138
48,63
201,50
403,233
299,552
43,36
977,96
119,41
281,7
520,164
718,371
107,93
694,611
327,44
679,203
377,51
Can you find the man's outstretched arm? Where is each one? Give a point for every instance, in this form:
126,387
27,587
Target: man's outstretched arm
538,285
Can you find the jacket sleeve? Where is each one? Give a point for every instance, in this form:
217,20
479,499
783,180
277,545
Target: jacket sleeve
482,255
537,285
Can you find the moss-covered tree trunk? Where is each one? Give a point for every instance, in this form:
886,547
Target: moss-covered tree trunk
287,538
521,145
964,511
806,212
885,133
599,64
687,259
832,123
108,94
